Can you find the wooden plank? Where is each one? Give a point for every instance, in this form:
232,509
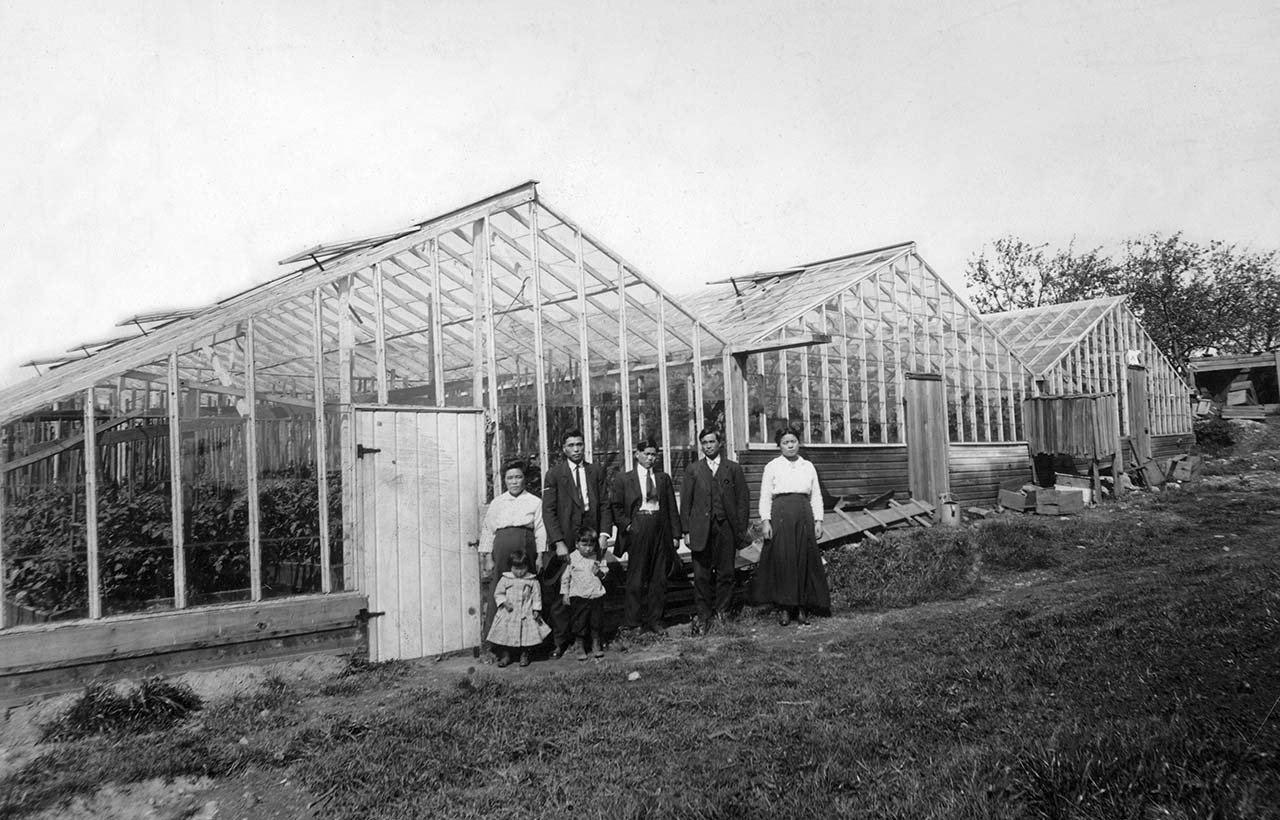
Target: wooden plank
175,488
50,646
492,404
471,428
380,334
664,389
459,472
322,441
584,353
624,370
412,433
436,492
92,568
352,533
365,495
539,353
62,445
787,343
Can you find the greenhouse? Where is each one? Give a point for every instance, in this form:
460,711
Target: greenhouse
1089,347
312,455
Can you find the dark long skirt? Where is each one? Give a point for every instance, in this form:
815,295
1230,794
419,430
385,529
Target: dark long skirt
506,541
790,572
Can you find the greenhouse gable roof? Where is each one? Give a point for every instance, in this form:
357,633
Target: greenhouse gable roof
1042,335
745,309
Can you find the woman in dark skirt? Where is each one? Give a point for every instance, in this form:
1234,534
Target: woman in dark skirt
790,574
512,523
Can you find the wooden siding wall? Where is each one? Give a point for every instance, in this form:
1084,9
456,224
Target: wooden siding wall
976,470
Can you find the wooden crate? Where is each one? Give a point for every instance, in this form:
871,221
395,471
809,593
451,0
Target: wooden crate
1059,501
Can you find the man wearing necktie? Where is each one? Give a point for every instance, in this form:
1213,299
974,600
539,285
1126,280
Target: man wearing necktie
574,495
715,511
644,508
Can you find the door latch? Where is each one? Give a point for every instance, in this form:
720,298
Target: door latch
362,451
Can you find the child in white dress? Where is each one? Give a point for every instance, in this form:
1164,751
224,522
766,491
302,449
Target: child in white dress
517,623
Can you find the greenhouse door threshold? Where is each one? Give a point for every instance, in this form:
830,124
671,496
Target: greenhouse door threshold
419,492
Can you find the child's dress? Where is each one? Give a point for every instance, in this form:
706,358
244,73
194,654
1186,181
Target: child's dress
519,627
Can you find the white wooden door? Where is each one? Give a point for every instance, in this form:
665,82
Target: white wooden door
420,490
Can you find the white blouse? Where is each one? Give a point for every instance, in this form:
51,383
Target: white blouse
507,510
783,476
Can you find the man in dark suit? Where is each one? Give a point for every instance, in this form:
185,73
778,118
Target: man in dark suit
644,508
575,496
714,509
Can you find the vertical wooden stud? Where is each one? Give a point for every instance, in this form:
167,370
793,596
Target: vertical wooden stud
584,373
380,334
539,354
175,487
491,358
700,412
664,402
322,440
624,367
437,323
93,570
352,569
250,420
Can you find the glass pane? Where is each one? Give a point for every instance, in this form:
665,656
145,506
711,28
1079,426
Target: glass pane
135,506
46,556
288,485
212,414
408,320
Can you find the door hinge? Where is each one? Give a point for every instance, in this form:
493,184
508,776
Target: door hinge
364,615
362,451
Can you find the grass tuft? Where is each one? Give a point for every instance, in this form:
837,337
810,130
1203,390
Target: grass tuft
904,568
1016,545
103,709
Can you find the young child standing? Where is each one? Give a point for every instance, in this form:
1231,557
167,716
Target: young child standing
517,624
582,587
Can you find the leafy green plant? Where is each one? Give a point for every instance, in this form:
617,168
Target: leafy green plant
904,568
154,704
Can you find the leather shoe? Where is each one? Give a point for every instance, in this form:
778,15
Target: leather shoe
524,658
557,653
784,617
801,617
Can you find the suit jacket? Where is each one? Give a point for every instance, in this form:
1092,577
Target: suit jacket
562,512
627,497
695,501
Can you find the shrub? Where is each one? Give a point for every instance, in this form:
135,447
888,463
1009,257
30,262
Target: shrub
1213,433
905,568
103,709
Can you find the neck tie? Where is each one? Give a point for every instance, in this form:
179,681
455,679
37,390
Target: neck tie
650,492
577,479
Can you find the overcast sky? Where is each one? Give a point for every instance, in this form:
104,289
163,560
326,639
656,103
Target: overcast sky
166,154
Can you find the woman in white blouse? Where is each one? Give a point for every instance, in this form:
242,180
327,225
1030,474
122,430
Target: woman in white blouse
512,523
790,573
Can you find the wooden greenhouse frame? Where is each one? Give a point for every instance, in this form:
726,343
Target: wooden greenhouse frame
1089,347
243,411
828,347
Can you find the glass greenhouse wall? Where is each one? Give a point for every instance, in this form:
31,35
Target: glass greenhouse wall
836,369
210,461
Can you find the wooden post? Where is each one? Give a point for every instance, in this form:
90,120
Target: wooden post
1139,419
624,367
437,326
380,335
175,487
250,420
491,360
700,414
322,440
539,354
351,563
664,406
584,347
737,409
93,569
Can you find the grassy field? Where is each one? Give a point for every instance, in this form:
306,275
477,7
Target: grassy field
1122,663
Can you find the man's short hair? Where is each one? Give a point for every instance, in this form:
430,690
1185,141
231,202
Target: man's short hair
644,444
711,431
575,433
